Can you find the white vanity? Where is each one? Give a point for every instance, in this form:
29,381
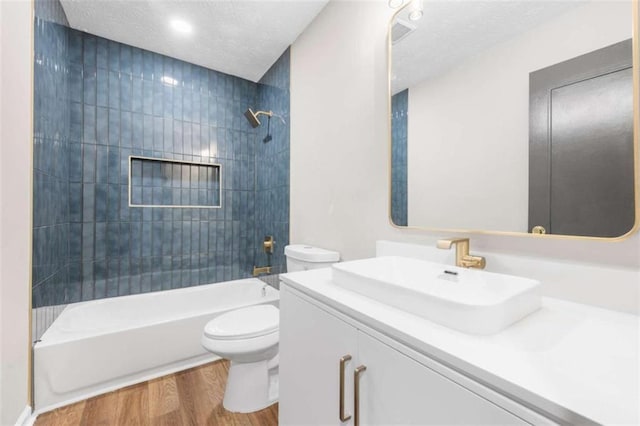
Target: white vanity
351,359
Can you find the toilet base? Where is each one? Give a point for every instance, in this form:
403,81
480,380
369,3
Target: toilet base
251,386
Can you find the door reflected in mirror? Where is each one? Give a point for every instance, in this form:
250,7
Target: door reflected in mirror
514,116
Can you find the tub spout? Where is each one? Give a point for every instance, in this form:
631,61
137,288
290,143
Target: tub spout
257,270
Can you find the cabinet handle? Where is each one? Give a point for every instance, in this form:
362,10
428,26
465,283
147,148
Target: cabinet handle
356,394
341,415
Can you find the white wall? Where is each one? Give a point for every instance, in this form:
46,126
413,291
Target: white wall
15,200
338,131
476,118
340,166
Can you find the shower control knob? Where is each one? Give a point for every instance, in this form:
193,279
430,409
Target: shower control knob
268,244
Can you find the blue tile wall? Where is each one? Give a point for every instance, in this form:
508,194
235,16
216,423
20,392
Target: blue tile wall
50,11
127,109
399,115
272,163
117,105
50,152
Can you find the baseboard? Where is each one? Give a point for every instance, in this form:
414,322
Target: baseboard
25,417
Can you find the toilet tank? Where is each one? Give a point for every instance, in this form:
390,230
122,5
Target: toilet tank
301,257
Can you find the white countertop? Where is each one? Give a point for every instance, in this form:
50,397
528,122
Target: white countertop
575,362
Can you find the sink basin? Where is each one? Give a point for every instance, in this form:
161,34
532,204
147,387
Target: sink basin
468,300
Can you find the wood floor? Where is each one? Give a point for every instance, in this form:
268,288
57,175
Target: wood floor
190,397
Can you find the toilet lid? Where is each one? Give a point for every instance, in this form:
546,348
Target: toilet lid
252,321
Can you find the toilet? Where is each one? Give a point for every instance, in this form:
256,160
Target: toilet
301,257
248,337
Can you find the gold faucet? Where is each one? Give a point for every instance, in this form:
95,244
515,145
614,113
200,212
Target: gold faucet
267,246
257,270
463,258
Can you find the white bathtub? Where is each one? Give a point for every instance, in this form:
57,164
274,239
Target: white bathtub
98,346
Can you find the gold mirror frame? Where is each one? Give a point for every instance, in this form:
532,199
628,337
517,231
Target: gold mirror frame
636,147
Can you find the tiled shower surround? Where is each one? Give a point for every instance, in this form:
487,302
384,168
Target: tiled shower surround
399,118
125,101
51,149
272,173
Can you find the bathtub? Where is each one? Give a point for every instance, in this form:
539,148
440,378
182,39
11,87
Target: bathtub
98,346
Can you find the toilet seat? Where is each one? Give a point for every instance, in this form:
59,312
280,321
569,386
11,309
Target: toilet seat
244,323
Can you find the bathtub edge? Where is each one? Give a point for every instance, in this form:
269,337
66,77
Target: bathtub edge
120,384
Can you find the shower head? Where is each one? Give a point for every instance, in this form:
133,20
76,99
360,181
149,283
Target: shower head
252,117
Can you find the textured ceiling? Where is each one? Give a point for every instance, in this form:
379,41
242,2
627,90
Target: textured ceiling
454,30
238,37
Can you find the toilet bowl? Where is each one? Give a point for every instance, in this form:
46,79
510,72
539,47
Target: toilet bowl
248,337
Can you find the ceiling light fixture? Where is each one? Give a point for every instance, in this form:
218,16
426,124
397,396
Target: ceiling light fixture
416,10
394,4
181,26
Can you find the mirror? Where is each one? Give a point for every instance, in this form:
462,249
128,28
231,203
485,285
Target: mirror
513,116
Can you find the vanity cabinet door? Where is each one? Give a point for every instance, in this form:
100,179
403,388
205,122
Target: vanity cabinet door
312,342
396,389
